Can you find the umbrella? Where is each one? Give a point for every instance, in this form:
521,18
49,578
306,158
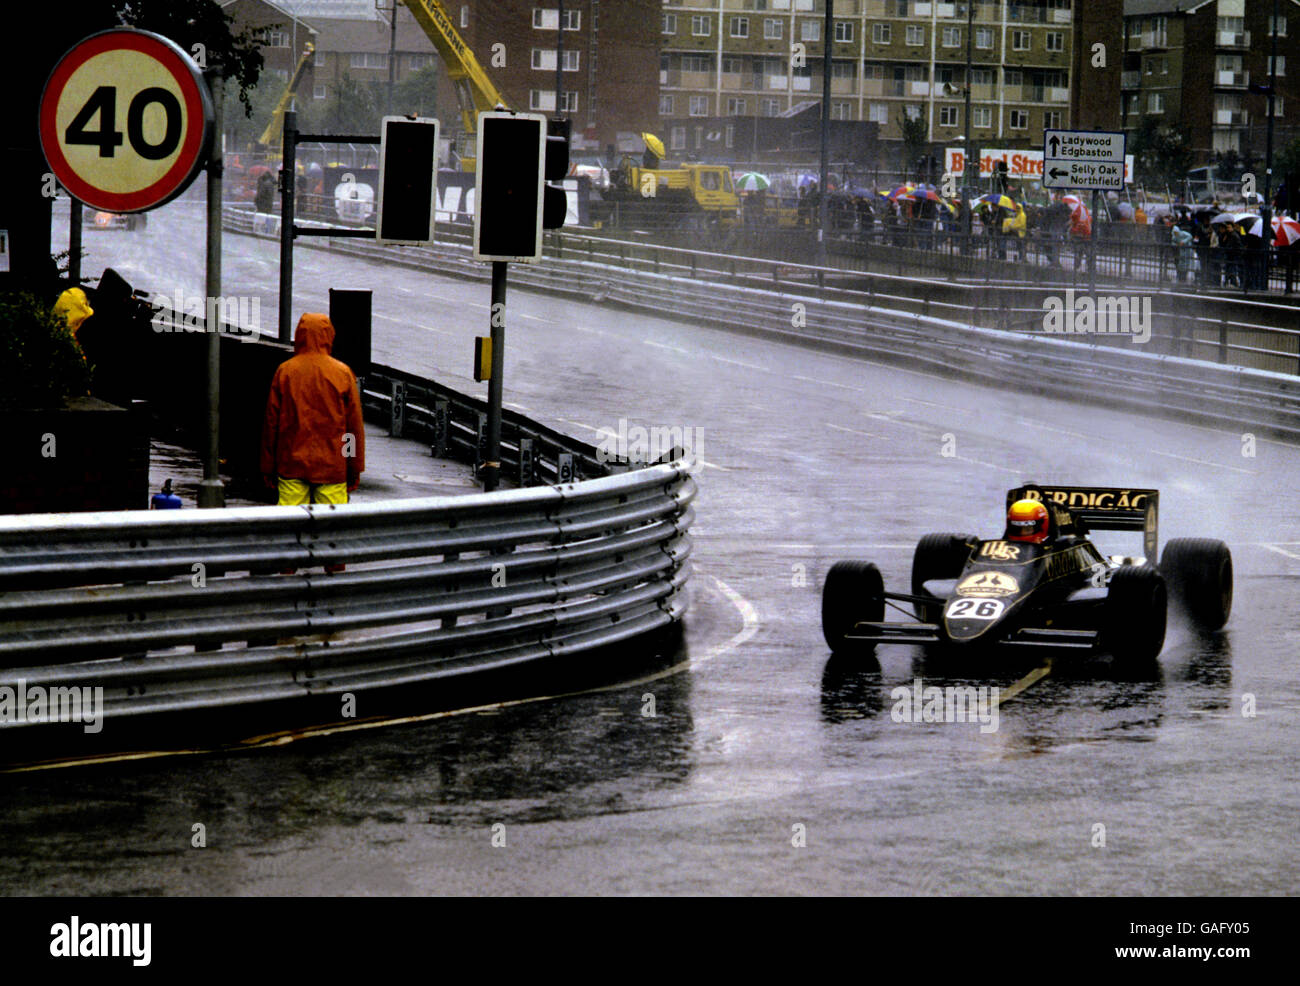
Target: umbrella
1242,217
654,145
1285,231
1223,217
805,180
752,181
922,195
904,189
997,200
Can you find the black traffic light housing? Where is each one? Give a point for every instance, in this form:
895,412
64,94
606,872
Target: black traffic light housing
555,201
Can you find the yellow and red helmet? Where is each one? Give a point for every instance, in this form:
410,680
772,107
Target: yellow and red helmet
1027,521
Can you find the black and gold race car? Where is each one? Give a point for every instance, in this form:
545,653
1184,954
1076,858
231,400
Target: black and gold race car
1047,588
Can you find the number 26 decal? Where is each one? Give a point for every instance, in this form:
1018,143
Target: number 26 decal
974,609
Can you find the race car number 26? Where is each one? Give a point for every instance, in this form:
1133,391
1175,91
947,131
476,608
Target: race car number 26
974,609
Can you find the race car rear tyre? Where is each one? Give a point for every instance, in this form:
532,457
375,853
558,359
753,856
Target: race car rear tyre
853,592
1133,617
1199,574
937,556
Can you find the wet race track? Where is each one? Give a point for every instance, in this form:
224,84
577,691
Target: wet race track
807,458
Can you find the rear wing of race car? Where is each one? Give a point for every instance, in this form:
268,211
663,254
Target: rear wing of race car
1103,508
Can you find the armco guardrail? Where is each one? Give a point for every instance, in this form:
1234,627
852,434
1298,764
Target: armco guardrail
142,603
783,301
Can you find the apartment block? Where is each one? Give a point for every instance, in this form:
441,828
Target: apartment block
724,58
1194,69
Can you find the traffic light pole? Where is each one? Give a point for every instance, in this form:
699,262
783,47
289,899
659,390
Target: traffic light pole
497,323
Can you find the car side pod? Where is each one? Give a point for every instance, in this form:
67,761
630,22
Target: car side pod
1133,616
853,593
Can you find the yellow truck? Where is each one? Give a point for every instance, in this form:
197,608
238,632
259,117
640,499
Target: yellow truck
689,196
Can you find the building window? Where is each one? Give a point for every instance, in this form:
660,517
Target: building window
464,15
1013,77
571,59
881,34
913,111
1020,40
1020,119
915,35
319,92
844,70
1281,64
417,62
570,103
772,29
952,37
735,106
677,139
699,106
696,63
981,116
544,59
740,27
841,109
873,70
275,39
947,116
1277,105
368,59
670,24
1156,102
701,26
1277,26
981,77
769,106
810,30
844,31
1052,120
1055,41
665,105
546,20
732,65
984,37
878,112
541,99
1159,29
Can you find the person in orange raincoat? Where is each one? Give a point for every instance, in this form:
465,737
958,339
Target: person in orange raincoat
313,439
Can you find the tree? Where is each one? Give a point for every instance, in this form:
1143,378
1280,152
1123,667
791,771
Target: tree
1161,155
352,108
915,137
417,93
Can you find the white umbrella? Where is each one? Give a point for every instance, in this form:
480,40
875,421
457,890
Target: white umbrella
752,181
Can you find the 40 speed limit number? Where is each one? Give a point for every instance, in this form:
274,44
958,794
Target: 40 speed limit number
126,120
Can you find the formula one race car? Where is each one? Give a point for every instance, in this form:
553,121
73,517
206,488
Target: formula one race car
1043,583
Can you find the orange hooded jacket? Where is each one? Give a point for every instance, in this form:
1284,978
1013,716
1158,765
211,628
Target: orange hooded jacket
313,406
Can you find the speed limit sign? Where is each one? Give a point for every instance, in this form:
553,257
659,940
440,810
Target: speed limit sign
126,120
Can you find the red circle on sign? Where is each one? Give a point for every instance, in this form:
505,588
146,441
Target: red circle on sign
198,120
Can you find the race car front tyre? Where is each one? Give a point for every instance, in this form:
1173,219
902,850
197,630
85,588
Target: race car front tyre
1133,617
937,556
1199,574
853,593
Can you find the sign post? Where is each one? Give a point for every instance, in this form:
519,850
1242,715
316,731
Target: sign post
126,124
1085,159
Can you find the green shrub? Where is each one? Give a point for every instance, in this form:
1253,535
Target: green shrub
40,362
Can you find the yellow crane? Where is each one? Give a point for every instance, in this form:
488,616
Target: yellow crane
273,135
475,92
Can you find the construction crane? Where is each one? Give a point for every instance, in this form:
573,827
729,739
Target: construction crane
273,135
475,92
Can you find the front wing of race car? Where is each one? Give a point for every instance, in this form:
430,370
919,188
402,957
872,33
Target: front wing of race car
1022,635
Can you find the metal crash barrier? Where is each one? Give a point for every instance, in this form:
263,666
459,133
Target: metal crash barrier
186,610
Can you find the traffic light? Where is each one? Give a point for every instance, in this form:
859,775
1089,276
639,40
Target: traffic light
408,179
508,197
555,204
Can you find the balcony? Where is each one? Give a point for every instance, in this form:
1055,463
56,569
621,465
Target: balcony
1231,80
1233,39
1133,43
919,88
1231,118
1130,80
1156,40
1062,16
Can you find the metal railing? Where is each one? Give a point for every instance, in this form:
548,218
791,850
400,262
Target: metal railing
978,334
183,610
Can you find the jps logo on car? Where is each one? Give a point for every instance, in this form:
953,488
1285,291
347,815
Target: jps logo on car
999,551
988,584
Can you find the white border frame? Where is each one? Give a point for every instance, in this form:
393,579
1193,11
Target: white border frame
433,196
483,118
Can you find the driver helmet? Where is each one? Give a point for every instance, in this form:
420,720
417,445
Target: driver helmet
1027,520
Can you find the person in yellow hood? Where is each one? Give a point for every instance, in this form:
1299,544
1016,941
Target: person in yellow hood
313,438
74,308
1017,225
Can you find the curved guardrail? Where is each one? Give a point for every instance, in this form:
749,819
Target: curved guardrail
188,610
763,298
